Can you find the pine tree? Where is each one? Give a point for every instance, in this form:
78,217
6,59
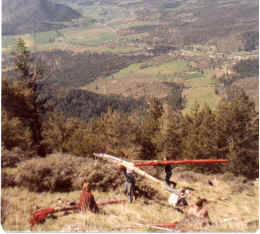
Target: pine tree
172,132
149,130
237,133
200,141
23,97
14,132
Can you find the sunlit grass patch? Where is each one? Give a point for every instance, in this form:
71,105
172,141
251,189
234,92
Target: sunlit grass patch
201,90
45,37
8,42
169,68
36,41
201,95
201,80
152,70
140,23
91,36
193,75
133,68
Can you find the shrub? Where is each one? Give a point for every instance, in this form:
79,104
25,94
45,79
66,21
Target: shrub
54,173
8,177
13,157
63,172
5,210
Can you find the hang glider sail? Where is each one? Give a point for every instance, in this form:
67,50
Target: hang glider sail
178,162
135,166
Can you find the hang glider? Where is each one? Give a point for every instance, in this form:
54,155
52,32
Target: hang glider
127,164
178,162
135,166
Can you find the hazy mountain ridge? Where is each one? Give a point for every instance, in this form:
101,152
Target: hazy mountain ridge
27,16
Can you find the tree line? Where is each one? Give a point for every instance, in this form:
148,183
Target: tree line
75,70
230,131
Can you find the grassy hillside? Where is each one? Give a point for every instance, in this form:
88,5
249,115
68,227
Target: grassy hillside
231,205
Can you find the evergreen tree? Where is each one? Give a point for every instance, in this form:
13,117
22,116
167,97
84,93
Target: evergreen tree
14,132
149,129
237,133
200,140
23,97
116,133
172,132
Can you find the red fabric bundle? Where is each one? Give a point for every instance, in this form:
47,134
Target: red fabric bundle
39,215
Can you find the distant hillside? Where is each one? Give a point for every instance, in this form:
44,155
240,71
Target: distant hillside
75,70
27,16
86,105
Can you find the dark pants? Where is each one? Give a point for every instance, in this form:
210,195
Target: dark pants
168,182
129,189
182,201
167,178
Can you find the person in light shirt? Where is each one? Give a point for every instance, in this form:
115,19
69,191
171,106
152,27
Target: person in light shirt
129,187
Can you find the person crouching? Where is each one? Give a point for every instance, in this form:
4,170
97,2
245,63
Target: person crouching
87,200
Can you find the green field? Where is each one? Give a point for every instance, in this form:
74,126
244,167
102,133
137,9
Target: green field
120,27
143,70
64,38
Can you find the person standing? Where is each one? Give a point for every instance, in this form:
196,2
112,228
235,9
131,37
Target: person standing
168,174
129,186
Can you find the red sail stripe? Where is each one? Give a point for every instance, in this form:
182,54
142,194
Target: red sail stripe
171,225
167,162
110,202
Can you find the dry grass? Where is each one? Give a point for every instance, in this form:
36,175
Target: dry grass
141,80
201,95
135,88
233,206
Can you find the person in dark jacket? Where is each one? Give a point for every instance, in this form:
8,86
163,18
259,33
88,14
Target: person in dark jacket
129,186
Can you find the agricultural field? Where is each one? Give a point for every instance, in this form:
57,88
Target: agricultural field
151,77
165,32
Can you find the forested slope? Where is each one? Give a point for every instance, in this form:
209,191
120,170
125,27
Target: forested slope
28,16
